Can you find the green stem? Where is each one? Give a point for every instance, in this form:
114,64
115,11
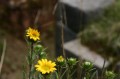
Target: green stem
45,77
58,72
68,73
31,61
87,75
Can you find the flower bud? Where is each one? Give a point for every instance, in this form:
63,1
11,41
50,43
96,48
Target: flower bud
42,55
38,48
72,61
110,74
87,65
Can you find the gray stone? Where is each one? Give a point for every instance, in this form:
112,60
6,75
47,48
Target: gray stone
85,53
88,5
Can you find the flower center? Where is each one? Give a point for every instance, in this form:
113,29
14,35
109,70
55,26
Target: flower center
46,67
34,34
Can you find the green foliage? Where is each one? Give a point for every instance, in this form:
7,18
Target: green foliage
110,75
103,34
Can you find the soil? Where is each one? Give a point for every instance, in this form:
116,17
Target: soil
14,57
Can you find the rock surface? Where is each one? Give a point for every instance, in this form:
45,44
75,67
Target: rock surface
85,53
88,5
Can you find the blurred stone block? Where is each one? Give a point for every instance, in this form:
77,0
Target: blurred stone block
85,53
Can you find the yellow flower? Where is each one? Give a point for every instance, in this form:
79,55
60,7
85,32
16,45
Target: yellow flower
44,66
33,34
60,59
